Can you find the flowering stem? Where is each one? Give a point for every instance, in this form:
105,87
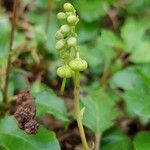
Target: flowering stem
77,110
97,141
63,85
10,49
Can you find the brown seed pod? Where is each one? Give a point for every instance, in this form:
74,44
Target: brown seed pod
31,127
22,116
23,96
26,112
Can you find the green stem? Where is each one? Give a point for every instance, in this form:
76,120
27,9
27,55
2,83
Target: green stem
10,50
63,85
97,141
77,110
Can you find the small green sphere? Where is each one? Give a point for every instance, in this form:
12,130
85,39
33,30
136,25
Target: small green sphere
65,29
78,64
60,45
68,7
61,16
64,72
58,35
72,19
72,42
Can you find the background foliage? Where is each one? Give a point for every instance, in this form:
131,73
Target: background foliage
114,38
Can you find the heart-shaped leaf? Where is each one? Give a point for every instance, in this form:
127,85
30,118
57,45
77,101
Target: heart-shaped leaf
48,102
115,140
99,111
136,83
13,138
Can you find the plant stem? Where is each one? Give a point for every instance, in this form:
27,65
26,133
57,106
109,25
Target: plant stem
10,49
63,85
77,110
97,141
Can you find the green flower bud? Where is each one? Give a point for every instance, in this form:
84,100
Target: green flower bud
72,19
68,7
61,16
60,44
72,42
64,54
65,29
64,72
78,64
59,35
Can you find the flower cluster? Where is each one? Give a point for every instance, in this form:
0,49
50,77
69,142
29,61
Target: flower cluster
67,43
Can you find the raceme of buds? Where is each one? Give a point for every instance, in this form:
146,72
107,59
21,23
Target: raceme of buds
72,42
64,29
64,71
60,44
72,19
68,7
67,42
59,35
78,64
61,16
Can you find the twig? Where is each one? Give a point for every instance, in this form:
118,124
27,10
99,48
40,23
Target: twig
10,49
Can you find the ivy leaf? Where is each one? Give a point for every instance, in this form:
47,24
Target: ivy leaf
99,111
114,139
141,141
47,102
13,138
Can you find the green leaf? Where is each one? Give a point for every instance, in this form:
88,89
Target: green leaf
93,56
115,140
138,104
53,27
90,10
18,79
50,103
141,141
135,6
132,33
4,39
109,39
100,112
13,138
87,31
127,79
102,53
141,54
136,83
